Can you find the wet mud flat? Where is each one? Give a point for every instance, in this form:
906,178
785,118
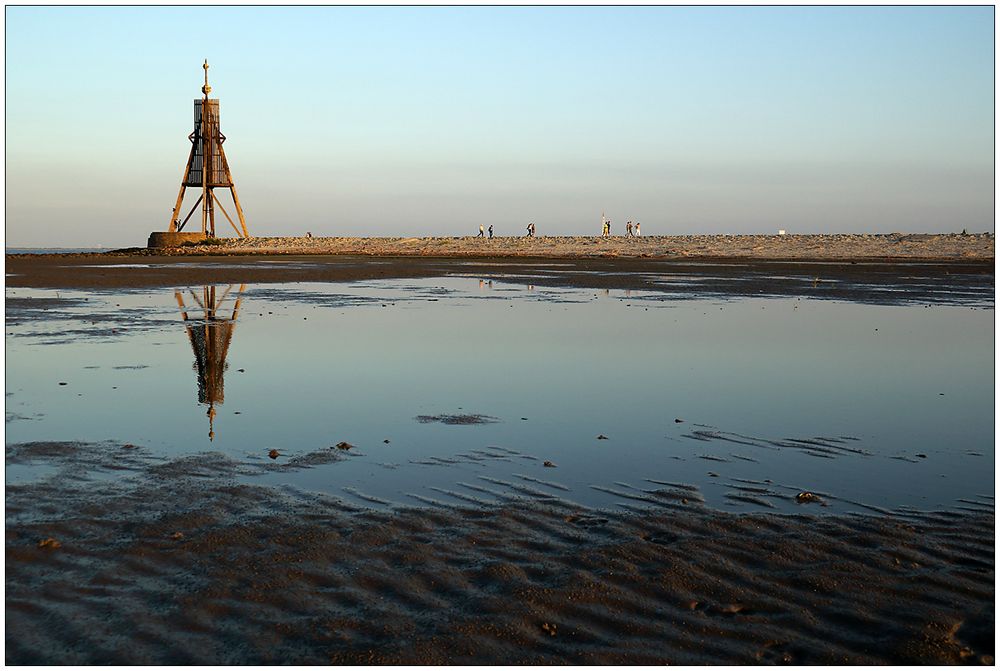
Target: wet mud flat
115,555
871,280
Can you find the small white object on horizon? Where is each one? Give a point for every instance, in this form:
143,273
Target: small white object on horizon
781,231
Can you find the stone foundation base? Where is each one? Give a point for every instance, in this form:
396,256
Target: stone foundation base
166,239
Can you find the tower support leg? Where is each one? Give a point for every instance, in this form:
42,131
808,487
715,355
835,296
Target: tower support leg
239,209
228,218
176,212
180,195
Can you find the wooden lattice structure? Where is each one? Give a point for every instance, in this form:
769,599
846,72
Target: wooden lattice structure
207,169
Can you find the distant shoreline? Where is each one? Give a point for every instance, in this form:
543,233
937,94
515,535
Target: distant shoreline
34,251
883,247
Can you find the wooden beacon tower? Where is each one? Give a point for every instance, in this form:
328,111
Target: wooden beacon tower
206,170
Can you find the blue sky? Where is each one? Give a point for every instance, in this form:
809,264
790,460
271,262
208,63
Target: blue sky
429,121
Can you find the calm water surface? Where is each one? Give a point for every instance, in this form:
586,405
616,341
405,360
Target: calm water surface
56,250
882,406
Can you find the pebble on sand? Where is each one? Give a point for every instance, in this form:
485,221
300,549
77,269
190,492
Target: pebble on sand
807,497
602,437
49,543
343,445
548,464
274,454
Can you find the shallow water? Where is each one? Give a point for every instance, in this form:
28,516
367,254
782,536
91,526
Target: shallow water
872,406
55,250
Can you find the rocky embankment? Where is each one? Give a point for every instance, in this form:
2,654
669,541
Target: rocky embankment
841,246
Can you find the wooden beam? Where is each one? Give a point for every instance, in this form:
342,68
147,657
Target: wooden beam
219,203
180,304
193,207
211,211
172,227
180,196
196,299
205,155
225,293
236,308
232,189
239,211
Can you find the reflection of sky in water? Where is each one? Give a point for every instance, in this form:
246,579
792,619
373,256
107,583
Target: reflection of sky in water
325,363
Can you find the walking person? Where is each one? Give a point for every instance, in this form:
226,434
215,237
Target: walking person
491,231
628,229
637,233
480,231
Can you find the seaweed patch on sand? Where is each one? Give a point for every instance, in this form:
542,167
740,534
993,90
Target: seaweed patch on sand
457,419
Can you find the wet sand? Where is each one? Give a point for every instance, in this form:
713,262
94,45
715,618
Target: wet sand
922,280
181,562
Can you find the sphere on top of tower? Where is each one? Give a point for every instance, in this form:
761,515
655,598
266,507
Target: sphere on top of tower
206,89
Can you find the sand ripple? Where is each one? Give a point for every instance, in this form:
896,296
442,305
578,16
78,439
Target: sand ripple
177,564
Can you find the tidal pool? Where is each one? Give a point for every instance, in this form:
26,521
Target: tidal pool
458,391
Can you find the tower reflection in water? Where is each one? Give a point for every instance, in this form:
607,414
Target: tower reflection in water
210,325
